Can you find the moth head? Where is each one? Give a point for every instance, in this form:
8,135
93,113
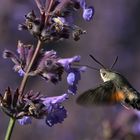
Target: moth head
107,75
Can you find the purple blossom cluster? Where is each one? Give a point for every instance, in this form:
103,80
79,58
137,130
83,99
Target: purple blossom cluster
59,24
54,112
55,23
50,67
33,105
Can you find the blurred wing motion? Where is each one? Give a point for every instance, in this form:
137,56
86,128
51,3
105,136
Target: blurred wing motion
104,94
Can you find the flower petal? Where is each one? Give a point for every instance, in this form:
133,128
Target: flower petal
57,115
88,13
21,72
65,62
82,3
74,75
48,101
25,120
71,78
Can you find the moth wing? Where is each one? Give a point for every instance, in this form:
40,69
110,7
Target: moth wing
104,94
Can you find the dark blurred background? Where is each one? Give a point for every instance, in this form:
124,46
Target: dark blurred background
115,31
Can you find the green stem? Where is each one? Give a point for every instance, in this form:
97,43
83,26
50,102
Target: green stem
10,128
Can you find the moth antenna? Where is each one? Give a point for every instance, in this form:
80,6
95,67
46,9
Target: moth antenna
114,62
97,61
87,66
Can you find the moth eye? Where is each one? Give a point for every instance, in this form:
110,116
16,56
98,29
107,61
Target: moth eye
30,25
104,74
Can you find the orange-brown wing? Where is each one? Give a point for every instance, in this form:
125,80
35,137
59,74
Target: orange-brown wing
104,94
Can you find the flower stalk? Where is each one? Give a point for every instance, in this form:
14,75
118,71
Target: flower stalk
54,24
10,128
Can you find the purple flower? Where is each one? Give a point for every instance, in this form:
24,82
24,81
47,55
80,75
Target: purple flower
34,105
66,62
21,72
49,67
56,115
82,3
48,101
61,23
71,78
74,75
55,112
25,120
54,23
21,61
88,12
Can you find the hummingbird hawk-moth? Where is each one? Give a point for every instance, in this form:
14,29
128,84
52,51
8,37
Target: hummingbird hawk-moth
114,89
